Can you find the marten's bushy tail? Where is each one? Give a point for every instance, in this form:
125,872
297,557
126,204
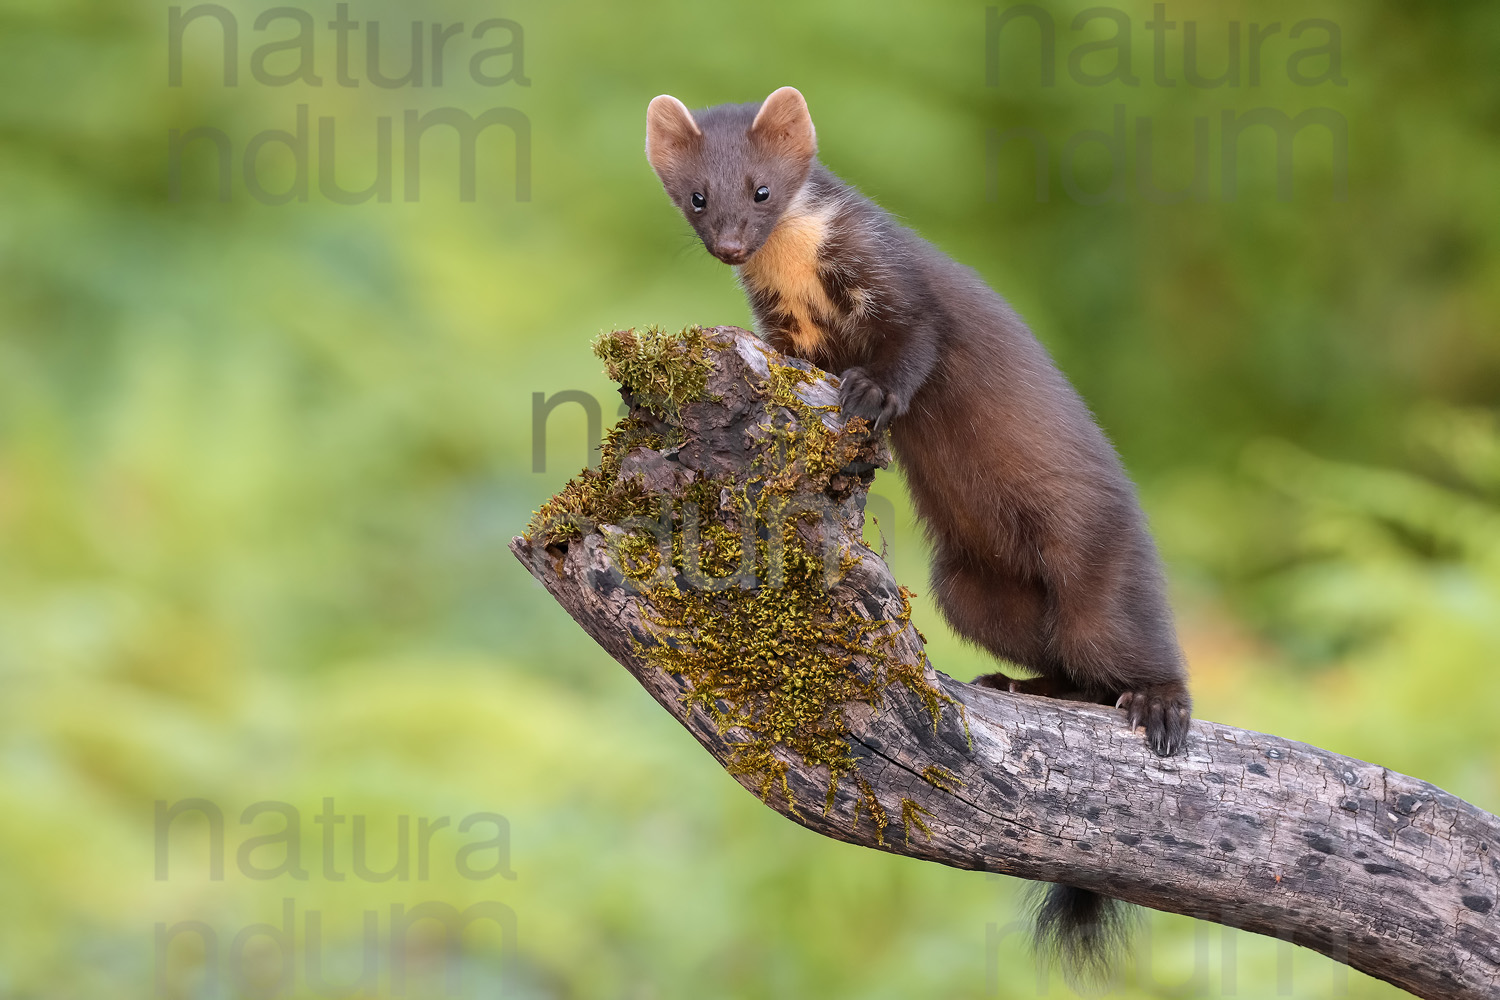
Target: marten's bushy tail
1084,932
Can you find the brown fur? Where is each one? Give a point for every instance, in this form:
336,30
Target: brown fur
785,268
1041,552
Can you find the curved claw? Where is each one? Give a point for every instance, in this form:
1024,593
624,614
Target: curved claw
861,396
1165,710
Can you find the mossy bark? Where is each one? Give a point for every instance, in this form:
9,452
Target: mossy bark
812,688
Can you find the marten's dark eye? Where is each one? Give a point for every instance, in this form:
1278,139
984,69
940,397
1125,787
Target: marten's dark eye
699,202
762,193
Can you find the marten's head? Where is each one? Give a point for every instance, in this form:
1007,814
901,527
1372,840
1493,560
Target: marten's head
733,168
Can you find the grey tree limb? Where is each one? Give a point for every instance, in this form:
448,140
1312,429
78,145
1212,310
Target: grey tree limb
1385,872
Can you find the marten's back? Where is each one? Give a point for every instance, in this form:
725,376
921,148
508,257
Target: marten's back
997,444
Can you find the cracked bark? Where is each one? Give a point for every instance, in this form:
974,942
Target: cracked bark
1387,873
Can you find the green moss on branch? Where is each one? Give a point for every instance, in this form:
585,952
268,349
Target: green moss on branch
737,574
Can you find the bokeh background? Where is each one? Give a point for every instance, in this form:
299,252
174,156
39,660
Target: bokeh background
259,464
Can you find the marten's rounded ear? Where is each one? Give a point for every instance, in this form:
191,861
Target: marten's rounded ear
783,124
670,131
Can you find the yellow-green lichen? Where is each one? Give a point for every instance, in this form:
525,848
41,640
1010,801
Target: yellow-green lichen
744,612
805,447
663,371
773,667
911,815
941,778
639,556
599,496
867,801
772,664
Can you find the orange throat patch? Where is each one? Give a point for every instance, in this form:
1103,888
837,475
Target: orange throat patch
786,266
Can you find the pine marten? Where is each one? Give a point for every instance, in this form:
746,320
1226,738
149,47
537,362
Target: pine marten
1041,553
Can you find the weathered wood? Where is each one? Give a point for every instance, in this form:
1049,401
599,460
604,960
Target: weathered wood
1385,872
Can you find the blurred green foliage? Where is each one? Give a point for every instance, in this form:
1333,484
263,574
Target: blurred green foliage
259,463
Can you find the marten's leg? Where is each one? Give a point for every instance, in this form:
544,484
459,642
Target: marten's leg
1102,634
1113,634
1047,687
1007,615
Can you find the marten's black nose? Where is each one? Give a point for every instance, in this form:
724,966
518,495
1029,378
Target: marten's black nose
731,251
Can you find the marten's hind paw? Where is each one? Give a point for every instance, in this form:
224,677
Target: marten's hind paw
1165,710
1046,687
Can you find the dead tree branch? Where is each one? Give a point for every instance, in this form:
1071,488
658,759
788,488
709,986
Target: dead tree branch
1385,872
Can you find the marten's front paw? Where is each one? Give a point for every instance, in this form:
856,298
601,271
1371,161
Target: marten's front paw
1165,710
860,396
